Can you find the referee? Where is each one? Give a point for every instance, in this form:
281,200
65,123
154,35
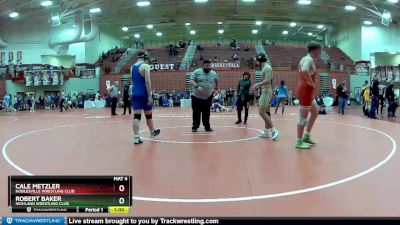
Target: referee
204,81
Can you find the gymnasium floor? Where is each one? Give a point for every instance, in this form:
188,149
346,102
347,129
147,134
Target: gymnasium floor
353,171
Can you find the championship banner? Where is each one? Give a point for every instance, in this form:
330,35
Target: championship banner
55,79
2,57
19,56
10,56
46,78
28,80
226,65
37,79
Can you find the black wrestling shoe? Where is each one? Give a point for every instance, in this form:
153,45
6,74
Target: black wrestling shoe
238,122
194,130
209,129
155,133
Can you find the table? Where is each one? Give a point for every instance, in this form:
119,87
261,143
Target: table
95,104
186,103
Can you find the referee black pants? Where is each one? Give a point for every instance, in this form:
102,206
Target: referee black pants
114,102
201,111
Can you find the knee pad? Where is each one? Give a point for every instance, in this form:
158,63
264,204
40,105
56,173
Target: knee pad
149,117
137,117
302,122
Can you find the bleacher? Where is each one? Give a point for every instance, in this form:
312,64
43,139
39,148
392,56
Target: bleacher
224,53
288,57
337,56
160,54
283,57
110,59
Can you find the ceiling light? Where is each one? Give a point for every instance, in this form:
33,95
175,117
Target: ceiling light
285,32
200,1
248,0
220,31
393,1
187,24
310,34
14,14
125,29
137,35
192,32
95,10
46,3
386,15
219,23
350,8
159,34
293,24
143,3
54,18
254,31
392,53
321,26
367,22
150,26
258,23
304,2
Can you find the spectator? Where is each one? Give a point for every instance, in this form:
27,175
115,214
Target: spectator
113,90
126,98
375,97
391,100
342,97
235,57
381,97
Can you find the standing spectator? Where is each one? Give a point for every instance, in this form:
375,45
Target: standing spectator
367,101
62,100
204,81
6,102
127,100
364,87
33,101
114,97
229,95
290,97
391,100
282,91
375,97
243,99
342,97
381,98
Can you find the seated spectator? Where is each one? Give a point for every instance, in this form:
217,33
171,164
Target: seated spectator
235,57
216,59
246,49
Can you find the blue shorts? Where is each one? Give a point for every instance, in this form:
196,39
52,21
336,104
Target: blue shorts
141,103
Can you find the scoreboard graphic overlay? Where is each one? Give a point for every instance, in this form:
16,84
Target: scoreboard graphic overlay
75,194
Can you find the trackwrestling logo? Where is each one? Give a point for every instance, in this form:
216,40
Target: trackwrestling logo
34,220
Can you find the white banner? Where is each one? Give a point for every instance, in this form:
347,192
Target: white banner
226,65
170,66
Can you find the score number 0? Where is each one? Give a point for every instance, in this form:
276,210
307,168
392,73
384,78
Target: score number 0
121,200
